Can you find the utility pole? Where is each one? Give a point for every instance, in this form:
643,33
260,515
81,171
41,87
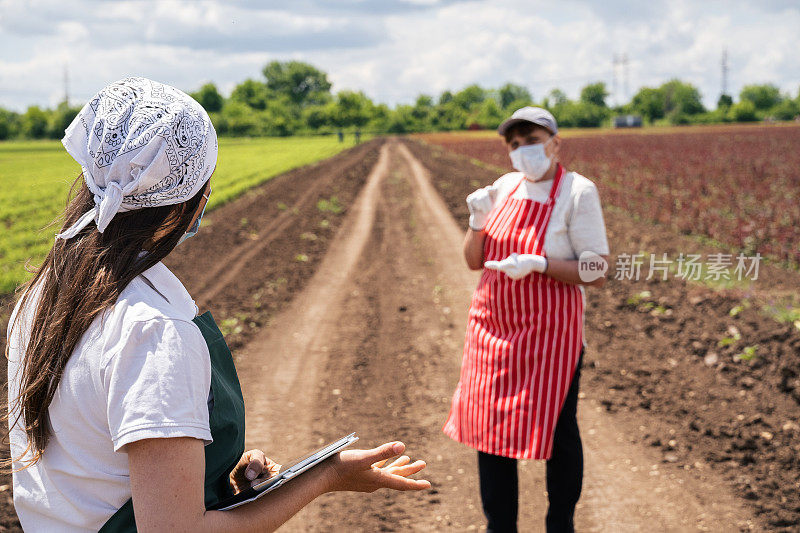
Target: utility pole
725,70
614,89
620,63
66,85
625,76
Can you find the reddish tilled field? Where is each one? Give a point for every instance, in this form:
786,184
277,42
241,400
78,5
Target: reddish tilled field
737,185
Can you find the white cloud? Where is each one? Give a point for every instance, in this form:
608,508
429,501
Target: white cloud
397,49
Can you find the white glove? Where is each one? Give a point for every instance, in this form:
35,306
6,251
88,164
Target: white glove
480,203
517,266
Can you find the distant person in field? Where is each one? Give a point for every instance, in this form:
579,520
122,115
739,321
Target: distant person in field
518,392
125,410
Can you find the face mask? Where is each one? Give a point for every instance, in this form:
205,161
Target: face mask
531,160
191,232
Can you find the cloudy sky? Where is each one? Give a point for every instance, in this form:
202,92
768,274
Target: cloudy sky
395,49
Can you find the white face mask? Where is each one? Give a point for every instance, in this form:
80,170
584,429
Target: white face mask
531,160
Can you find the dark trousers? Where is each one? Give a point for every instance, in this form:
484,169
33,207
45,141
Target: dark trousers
498,475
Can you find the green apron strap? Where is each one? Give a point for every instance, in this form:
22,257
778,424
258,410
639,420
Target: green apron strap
227,426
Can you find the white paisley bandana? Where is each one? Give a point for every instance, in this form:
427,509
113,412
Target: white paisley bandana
140,144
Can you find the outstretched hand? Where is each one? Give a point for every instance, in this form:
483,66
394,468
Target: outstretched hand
367,471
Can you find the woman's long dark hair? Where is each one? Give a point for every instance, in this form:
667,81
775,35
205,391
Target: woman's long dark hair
79,279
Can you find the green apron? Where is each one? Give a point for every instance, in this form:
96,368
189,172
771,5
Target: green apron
227,426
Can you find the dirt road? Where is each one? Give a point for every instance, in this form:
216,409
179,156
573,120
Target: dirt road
373,345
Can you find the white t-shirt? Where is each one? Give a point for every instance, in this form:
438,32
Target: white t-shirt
142,370
576,223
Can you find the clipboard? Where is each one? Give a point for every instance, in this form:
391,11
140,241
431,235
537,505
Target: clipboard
268,485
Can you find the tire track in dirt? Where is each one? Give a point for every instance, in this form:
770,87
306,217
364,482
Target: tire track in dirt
389,375
279,367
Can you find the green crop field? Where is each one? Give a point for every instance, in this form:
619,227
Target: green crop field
35,177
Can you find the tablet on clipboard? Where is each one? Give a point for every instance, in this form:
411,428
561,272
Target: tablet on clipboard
268,485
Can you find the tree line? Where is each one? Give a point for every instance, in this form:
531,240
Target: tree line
294,97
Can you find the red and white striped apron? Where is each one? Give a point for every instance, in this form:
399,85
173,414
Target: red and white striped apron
522,343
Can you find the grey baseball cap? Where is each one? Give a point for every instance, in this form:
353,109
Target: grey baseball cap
537,115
